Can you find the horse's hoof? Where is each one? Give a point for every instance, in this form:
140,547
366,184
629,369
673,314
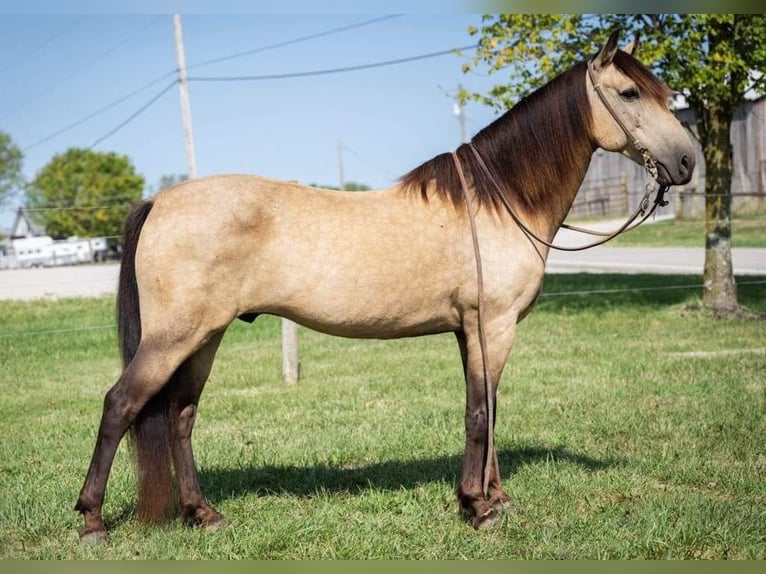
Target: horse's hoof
502,503
206,519
487,513
487,519
493,513
93,537
216,524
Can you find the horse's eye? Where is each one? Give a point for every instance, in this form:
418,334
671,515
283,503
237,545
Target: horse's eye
629,95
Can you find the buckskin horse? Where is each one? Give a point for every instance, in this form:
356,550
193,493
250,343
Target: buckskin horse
457,245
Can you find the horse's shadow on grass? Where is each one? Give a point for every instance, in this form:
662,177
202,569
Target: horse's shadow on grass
306,481
221,484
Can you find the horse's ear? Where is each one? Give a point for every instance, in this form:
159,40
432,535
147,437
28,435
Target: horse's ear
631,48
605,56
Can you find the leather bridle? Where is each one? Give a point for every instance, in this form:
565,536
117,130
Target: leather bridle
641,214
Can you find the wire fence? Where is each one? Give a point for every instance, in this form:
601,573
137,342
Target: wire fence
573,293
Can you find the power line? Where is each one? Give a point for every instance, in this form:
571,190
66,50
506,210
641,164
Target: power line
293,41
135,114
231,78
329,70
118,101
370,162
99,111
85,66
78,207
42,45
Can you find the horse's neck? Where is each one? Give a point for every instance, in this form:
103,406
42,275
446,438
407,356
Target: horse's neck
568,194
546,222
536,160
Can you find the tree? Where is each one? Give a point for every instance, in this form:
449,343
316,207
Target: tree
84,193
169,180
348,186
714,60
10,167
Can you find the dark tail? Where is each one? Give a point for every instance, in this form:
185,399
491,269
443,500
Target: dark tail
150,433
128,312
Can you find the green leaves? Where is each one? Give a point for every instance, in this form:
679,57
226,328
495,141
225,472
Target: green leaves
84,193
10,166
528,50
704,56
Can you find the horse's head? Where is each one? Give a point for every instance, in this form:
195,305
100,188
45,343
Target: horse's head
631,114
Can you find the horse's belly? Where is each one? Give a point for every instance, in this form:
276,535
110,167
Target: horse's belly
357,288
379,328
351,314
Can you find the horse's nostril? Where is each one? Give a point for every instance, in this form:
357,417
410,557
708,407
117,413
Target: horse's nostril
685,164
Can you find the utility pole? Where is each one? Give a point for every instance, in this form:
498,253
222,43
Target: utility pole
191,159
291,367
342,179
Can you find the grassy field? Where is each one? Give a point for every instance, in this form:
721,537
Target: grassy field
748,230
627,427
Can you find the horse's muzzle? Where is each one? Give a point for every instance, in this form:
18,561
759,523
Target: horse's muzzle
680,174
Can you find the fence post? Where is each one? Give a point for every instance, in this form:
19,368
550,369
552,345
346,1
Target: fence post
290,364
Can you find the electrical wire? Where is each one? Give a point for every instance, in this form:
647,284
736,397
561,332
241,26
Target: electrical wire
99,111
120,100
51,87
77,207
231,78
42,44
134,115
329,70
293,41
369,162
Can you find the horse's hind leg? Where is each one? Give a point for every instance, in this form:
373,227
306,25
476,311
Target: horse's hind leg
479,509
185,389
146,374
110,432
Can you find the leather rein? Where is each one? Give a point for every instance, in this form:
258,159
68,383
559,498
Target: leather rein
641,214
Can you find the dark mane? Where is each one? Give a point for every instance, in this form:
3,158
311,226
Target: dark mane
531,149
539,146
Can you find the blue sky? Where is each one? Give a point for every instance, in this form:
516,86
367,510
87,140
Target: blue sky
59,69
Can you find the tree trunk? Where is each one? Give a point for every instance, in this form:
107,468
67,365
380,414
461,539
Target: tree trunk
719,292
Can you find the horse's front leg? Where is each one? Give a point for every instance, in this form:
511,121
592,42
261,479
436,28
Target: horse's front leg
482,509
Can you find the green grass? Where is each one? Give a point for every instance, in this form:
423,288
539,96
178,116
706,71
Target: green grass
627,428
748,230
